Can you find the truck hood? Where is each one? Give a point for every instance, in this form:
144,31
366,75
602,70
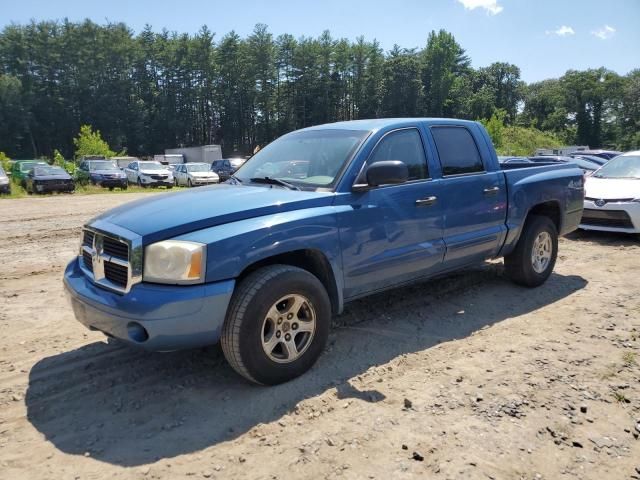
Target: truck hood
611,188
160,217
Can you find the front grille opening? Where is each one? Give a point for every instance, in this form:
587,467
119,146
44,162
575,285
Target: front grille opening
86,259
116,248
87,238
116,273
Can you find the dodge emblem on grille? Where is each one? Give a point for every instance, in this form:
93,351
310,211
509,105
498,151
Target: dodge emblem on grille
600,202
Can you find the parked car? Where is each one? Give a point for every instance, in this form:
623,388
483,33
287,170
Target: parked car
194,174
104,173
149,174
48,178
236,162
612,196
262,263
587,166
506,160
222,168
591,158
605,154
21,168
5,184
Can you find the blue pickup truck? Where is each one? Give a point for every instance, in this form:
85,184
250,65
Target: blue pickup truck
319,217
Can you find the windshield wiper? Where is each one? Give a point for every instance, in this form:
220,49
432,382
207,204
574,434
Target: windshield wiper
236,179
274,181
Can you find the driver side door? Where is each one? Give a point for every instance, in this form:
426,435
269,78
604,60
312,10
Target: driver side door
393,233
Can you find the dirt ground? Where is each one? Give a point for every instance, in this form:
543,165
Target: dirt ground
464,377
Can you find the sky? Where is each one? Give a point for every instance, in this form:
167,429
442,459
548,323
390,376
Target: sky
544,38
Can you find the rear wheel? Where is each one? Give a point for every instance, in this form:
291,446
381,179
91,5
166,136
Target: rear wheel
534,257
277,324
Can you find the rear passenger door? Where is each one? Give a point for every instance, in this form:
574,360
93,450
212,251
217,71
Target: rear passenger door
474,199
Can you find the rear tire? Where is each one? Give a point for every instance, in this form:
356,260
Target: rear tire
276,301
534,257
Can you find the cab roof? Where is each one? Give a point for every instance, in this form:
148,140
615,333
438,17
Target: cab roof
376,124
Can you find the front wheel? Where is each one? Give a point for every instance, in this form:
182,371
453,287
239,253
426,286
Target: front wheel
534,257
277,324
189,183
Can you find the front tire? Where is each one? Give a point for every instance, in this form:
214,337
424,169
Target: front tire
534,257
277,324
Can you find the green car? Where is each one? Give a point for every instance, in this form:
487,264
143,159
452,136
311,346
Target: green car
20,169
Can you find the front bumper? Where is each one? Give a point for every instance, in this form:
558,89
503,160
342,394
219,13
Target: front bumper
611,217
112,182
203,181
155,317
54,188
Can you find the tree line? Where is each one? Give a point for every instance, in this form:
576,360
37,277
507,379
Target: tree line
154,90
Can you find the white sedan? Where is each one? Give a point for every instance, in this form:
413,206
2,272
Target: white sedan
612,196
193,174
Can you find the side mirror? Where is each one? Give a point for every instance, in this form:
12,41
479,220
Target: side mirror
387,172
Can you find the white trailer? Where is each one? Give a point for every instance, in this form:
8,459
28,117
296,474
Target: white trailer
203,154
169,159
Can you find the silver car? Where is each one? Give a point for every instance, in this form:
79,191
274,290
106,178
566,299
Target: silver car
194,174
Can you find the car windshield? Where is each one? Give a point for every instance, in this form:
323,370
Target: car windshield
47,170
624,166
103,166
311,158
151,166
199,167
26,166
2,171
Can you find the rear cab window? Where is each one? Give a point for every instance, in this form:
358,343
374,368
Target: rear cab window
457,150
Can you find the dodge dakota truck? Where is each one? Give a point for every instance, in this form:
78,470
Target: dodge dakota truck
262,262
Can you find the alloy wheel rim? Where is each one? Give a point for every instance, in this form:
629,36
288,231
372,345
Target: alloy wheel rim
288,328
541,252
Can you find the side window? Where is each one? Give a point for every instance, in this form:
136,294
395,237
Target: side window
406,146
457,150
227,164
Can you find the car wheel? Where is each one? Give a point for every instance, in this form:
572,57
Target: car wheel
175,182
189,184
277,324
111,189
124,187
140,183
534,257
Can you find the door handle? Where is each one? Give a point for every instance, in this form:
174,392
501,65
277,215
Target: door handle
425,202
491,191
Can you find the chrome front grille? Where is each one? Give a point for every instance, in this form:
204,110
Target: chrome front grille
111,261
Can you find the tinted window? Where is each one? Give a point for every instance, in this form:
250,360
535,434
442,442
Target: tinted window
406,146
457,150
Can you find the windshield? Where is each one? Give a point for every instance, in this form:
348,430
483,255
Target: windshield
26,166
151,166
46,170
624,166
103,166
312,158
198,167
2,174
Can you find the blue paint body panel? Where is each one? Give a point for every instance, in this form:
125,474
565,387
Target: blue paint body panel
371,240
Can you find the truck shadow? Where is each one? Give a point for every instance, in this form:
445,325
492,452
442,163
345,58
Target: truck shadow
128,407
610,239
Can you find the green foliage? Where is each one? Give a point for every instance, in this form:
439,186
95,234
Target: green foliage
59,160
523,141
89,142
495,127
154,90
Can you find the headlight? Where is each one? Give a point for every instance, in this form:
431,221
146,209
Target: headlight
175,261
4,180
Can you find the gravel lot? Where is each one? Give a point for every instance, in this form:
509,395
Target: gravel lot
463,377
